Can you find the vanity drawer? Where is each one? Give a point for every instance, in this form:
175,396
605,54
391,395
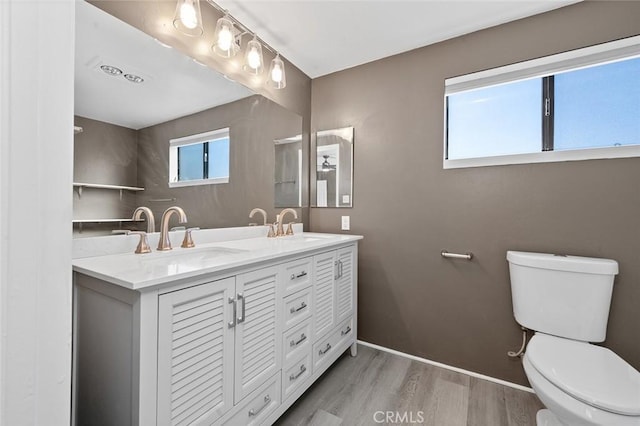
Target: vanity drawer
325,350
296,375
297,308
296,341
297,275
258,405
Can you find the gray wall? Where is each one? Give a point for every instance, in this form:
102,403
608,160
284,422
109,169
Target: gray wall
254,123
459,312
105,154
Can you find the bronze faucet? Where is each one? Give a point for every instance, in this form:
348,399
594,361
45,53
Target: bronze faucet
151,223
165,243
280,232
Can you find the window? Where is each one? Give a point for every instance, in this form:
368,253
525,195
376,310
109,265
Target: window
582,104
199,159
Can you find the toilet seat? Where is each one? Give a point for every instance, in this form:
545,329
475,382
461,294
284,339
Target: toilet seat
592,374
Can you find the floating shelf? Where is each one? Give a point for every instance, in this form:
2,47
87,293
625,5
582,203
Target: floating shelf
80,222
80,185
104,220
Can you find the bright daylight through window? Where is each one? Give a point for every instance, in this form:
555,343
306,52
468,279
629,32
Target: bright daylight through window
583,104
199,159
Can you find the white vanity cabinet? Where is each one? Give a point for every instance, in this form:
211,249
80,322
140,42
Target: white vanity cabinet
334,289
236,347
217,342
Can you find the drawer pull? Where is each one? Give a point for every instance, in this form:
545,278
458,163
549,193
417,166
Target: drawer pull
300,275
294,310
293,343
298,374
233,323
267,400
325,350
347,331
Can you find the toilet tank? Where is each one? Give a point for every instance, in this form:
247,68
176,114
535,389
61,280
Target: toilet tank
566,296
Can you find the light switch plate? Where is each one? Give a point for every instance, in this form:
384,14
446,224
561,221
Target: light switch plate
346,223
345,199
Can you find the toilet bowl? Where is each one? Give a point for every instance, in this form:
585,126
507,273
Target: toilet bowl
566,301
581,384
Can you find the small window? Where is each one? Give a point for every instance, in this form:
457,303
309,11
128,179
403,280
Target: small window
199,159
583,104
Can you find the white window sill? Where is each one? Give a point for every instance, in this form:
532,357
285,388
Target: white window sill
546,157
198,182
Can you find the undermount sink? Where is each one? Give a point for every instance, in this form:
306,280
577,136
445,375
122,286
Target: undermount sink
198,254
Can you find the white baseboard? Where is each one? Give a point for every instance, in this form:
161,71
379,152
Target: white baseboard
448,367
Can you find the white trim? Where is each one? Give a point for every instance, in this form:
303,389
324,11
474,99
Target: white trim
200,137
626,48
195,182
174,144
600,54
546,157
448,367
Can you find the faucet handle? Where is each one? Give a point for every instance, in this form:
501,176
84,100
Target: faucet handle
187,242
290,228
143,244
272,232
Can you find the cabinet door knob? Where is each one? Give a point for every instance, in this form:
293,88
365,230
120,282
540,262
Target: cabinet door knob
347,331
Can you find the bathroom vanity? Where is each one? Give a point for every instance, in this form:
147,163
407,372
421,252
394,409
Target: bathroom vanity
229,332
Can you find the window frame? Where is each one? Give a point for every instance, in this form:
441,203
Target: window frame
203,138
545,68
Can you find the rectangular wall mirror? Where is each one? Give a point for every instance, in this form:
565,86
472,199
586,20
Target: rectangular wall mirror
332,182
123,156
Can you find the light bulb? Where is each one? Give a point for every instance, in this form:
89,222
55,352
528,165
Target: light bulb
188,15
225,38
253,58
276,73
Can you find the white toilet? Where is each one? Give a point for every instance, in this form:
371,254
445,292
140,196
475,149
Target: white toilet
566,299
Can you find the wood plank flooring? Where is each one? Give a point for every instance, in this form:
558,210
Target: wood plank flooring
360,390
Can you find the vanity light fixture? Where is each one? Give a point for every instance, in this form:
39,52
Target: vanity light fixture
188,18
277,77
253,59
225,38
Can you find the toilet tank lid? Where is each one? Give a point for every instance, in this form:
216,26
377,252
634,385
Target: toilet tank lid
592,374
586,265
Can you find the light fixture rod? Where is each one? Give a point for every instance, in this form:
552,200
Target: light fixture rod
243,28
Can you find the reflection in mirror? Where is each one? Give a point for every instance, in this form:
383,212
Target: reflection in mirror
128,123
288,172
334,168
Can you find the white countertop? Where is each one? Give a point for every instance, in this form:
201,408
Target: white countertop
142,271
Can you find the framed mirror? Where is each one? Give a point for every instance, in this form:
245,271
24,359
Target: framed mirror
332,182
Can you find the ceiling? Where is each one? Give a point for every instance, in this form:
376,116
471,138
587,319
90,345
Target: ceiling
324,36
318,36
174,85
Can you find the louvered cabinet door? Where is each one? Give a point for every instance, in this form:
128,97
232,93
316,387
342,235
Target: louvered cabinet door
345,283
324,270
195,354
258,330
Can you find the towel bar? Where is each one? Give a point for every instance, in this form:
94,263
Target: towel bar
467,256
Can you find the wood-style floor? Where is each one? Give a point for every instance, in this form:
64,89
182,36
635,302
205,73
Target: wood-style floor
360,390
